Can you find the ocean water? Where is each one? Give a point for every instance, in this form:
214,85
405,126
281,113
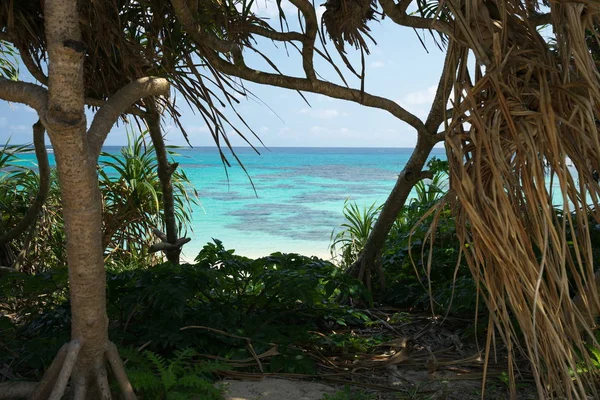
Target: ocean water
287,199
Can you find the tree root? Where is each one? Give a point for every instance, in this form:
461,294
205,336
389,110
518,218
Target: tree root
54,383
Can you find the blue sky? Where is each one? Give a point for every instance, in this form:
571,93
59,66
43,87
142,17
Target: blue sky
398,68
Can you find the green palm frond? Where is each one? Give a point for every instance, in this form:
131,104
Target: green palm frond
349,241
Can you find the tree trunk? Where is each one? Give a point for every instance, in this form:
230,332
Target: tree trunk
82,207
165,171
83,359
82,204
368,260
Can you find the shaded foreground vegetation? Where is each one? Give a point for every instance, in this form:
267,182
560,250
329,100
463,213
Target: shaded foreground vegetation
180,327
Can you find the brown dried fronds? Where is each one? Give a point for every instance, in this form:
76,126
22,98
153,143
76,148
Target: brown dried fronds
346,21
517,117
127,40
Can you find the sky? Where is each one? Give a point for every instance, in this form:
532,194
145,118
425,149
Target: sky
398,68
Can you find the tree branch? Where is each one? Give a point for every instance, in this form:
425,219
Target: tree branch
397,13
438,114
541,19
165,172
44,169
16,390
239,69
34,96
403,5
90,101
275,35
308,42
186,18
317,86
118,104
31,66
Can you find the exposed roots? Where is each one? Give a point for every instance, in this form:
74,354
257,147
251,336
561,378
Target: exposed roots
54,383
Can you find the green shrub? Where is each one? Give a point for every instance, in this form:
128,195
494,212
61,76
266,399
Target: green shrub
131,193
277,299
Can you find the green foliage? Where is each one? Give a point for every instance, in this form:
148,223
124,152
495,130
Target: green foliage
276,299
406,255
19,184
132,194
348,242
405,258
34,319
272,299
9,64
154,377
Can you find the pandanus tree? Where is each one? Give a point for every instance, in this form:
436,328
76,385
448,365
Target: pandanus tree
121,58
520,105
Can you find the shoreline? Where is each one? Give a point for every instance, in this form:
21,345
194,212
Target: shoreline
191,253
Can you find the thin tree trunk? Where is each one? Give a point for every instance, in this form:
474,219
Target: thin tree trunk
165,172
368,261
427,136
44,172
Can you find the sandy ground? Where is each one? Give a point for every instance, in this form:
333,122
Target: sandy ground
276,389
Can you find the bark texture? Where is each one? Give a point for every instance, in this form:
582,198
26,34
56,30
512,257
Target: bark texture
83,361
82,204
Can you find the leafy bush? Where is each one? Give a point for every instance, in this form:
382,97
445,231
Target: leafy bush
224,297
405,258
131,193
349,241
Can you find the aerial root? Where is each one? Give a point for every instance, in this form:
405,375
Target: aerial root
54,383
118,370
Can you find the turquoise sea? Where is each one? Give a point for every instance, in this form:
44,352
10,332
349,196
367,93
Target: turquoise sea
288,199
297,198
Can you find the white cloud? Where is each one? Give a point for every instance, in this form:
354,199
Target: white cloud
18,127
196,130
328,113
322,113
421,97
263,129
377,64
